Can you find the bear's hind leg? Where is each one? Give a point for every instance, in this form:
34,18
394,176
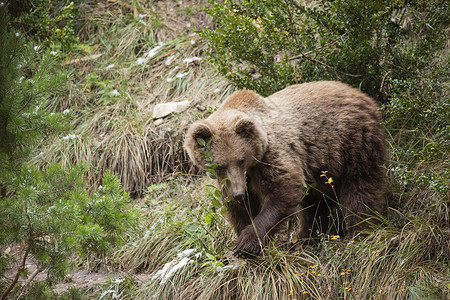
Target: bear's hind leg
360,203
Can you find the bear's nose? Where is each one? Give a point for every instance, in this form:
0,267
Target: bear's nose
238,195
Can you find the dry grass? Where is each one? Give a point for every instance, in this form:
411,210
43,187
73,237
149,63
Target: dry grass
133,58
391,263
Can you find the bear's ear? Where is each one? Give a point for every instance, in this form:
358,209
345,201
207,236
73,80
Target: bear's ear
199,130
245,127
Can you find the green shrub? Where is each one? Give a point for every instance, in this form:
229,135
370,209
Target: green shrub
50,23
267,45
103,217
43,211
417,121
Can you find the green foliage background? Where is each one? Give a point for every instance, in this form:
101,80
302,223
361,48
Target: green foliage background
267,45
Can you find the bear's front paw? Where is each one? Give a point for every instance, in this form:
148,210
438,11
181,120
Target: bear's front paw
247,245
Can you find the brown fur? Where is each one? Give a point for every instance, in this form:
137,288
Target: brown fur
269,148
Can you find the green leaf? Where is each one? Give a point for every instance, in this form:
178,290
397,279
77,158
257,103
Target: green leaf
209,156
216,203
201,142
223,210
208,218
211,171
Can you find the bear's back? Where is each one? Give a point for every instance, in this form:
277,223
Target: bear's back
246,101
330,98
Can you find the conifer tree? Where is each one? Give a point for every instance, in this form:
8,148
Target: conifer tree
45,214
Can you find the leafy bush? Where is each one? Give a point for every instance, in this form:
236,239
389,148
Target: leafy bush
49,23
417,120
267,45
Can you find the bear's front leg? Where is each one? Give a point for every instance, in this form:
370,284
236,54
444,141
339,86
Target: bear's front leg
248,244
252,238
282,200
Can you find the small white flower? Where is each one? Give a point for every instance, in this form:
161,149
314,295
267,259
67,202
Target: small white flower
171,268
53,53
174,69
169,60
142,22
115,93
186,253
36,48
17,34
189,60
153,51
141,60
113,292
192,42
69,137
141,16
66,111
181,75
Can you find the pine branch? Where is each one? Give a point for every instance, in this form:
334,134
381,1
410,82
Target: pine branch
16,278
29,280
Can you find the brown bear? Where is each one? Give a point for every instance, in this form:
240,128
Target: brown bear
271,148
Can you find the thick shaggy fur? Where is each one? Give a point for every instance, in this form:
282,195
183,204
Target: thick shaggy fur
269,148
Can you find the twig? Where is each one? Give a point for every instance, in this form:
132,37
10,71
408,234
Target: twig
317,49
328,66
86,58
29,280
16,278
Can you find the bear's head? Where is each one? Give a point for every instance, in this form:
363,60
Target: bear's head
237,142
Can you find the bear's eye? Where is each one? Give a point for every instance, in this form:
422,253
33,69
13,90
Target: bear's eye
220,168
241,162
